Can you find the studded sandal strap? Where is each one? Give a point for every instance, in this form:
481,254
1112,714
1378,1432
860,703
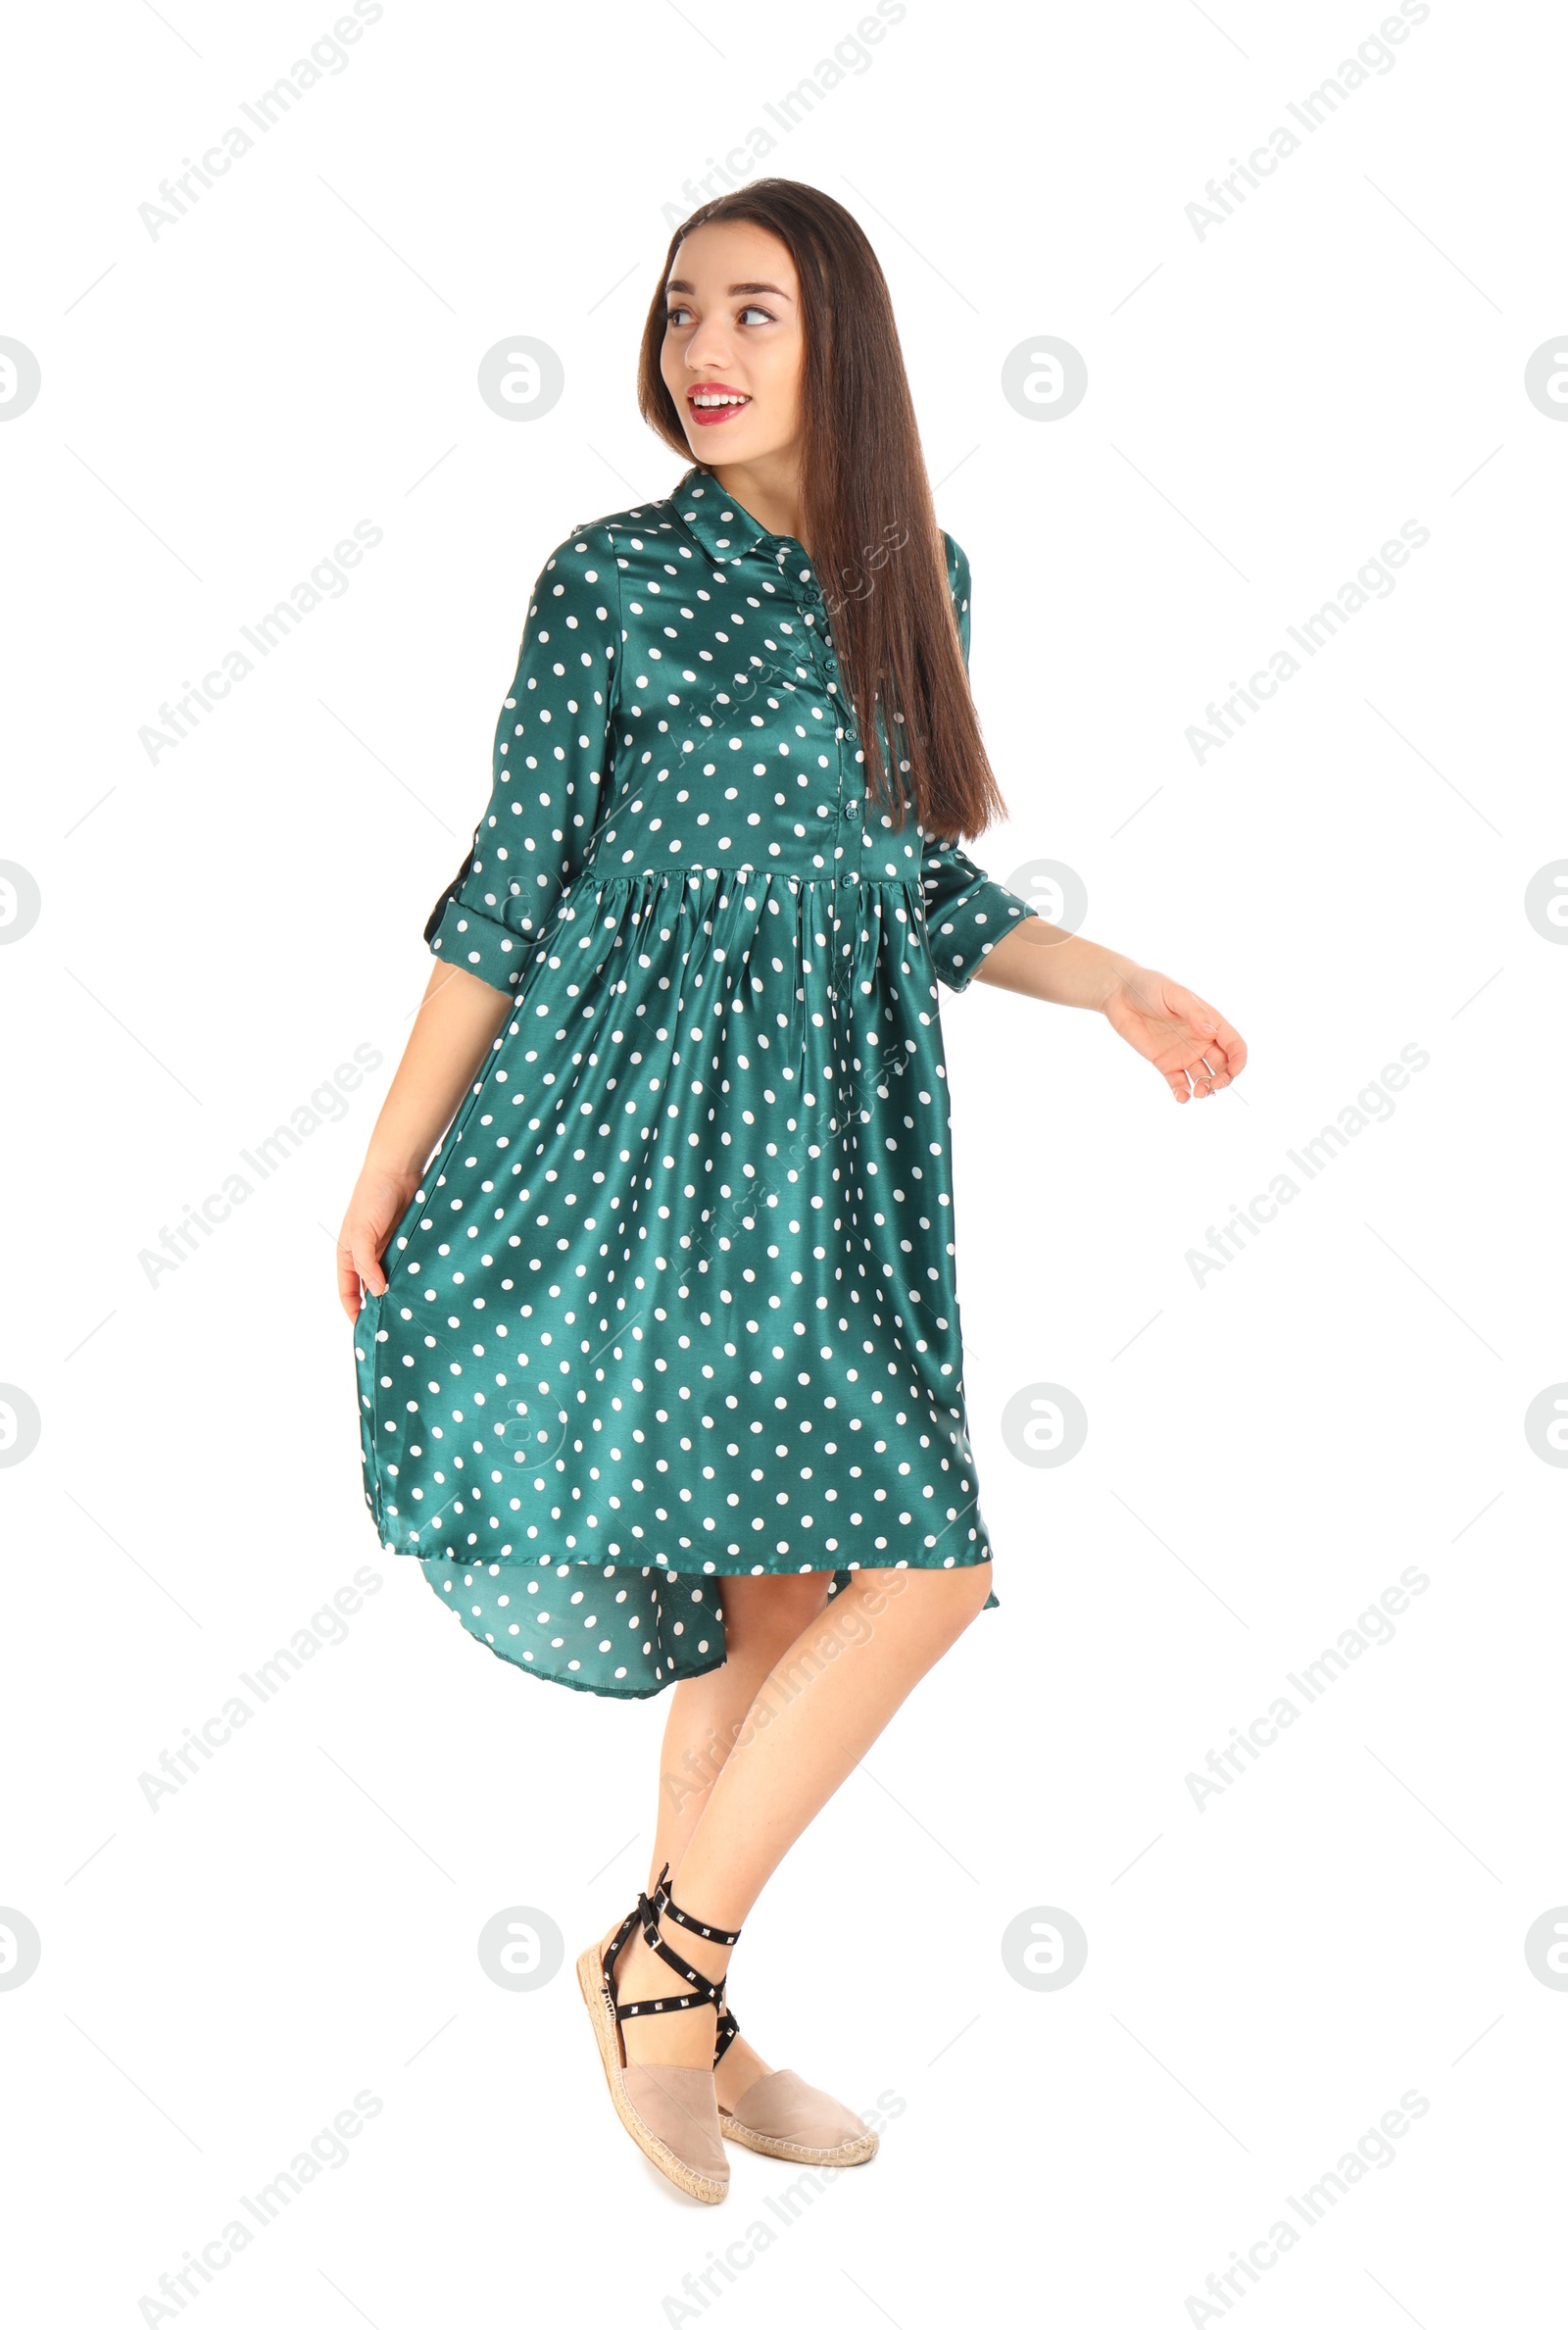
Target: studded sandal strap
623,1935
727,2028
705,1991
712,1991
623,1931
664,1900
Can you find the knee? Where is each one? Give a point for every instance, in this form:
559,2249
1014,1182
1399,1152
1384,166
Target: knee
765,1617
953,1599
969,1590
940,1602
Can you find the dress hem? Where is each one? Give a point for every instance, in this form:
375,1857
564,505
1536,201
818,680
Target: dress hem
568,1682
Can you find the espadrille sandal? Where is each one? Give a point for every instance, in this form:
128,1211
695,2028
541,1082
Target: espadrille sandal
779,2114
669,2110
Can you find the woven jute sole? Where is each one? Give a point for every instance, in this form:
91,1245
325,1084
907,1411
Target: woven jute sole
843,2155
591,1982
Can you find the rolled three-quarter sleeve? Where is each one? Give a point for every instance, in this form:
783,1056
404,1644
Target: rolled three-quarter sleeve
549,768
965,910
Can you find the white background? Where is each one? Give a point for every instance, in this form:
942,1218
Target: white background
1266,1453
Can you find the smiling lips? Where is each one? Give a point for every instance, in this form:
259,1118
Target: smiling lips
714,402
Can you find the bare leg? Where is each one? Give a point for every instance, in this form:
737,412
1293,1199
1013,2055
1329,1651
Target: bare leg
763,1618
818,1710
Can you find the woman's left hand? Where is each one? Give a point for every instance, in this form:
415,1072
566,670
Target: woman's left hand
1194,1049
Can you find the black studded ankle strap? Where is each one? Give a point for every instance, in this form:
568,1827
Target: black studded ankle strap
705,1990
705,1993
664,1904
725,2029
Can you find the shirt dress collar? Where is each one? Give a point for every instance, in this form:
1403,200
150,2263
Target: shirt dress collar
728,534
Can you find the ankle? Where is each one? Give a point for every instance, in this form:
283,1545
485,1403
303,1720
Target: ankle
710,1958
682,2030
706,1907
642,1973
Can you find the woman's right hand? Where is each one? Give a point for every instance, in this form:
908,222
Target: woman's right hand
457,1024
382,1197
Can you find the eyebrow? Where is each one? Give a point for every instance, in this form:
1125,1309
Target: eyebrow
676,283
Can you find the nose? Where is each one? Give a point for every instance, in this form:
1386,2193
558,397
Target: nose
708,346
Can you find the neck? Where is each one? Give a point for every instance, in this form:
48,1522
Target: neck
768,490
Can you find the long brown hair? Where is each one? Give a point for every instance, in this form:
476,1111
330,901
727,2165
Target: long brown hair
867,507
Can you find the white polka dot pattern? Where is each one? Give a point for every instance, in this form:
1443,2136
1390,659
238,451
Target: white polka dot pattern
677,1300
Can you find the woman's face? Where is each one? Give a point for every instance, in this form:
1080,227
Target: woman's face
733,330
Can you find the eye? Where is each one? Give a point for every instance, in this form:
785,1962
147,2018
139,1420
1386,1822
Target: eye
674,313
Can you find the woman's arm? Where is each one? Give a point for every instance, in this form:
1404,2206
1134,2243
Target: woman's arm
1194,1049
1055,965
457,1023
553,746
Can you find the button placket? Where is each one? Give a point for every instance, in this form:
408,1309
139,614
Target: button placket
849,788
844,923
821,654
852,778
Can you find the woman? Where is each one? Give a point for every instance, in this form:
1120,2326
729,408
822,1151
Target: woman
660,1360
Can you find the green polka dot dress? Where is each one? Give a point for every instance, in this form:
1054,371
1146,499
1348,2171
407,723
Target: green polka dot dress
676,1301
